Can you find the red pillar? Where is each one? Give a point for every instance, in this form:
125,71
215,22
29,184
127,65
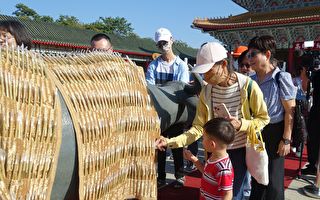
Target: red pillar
290,60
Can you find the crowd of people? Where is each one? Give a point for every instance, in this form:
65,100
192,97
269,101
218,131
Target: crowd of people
269,107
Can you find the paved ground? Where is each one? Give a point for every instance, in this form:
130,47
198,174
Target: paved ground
294,192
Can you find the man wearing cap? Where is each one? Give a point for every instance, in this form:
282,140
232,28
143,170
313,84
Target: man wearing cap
164,68
167,67
231,88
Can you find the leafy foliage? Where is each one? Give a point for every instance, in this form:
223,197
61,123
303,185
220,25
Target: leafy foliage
25,12
118,26
109,25
46,18
67,20
181,43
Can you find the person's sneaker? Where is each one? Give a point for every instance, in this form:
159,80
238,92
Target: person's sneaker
161,183
309,170
179,182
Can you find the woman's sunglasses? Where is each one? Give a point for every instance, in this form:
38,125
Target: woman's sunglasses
244,65
253,54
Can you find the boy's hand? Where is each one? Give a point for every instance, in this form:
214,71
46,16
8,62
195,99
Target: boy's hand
189,156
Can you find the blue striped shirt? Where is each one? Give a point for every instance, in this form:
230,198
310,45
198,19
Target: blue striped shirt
158,74
273,93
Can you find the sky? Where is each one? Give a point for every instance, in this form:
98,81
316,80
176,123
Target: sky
145,16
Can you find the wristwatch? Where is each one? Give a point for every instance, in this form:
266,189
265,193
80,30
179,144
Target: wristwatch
286,141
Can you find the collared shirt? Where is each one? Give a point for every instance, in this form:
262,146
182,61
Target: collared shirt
273,93
216,179
160,72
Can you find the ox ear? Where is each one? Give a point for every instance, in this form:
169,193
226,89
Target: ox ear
195,86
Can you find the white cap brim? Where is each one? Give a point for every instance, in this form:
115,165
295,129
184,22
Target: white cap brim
163,38
201,69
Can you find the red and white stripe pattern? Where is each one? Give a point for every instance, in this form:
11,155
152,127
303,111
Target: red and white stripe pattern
217,178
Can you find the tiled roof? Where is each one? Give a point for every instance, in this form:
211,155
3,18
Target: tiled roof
268,5
249,19
59,35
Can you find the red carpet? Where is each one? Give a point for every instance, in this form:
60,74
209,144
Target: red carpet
291,166
189,191
192,183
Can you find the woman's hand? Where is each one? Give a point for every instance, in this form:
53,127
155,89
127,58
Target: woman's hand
161,143
235,122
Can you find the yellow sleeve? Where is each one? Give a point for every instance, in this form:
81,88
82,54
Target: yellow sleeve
195,132
258,108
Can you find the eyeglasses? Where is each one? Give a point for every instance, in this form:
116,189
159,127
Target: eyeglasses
244,65
108,49
253,54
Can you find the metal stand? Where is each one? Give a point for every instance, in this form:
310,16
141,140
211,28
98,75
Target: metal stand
313,190
304,135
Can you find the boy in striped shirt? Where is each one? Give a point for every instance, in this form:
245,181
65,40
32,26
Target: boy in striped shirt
217,173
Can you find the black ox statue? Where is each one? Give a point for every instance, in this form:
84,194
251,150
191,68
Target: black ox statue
175,102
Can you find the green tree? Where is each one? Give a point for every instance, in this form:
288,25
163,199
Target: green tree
181,43
69,21
118,26
46,18
25,12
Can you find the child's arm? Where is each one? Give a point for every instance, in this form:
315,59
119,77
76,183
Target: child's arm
228,195
199,165
189,156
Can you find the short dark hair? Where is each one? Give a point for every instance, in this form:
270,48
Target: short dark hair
100,36
242,56
220,129
264,43
18,31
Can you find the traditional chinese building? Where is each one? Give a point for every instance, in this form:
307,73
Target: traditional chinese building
291,22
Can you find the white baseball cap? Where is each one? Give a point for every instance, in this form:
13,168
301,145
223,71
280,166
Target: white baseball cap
208,55
162,34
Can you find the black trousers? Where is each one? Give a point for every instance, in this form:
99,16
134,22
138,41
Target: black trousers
313,138
272,135
173,131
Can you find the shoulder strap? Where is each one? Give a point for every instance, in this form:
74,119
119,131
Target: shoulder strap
249,89
249,93
277,77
